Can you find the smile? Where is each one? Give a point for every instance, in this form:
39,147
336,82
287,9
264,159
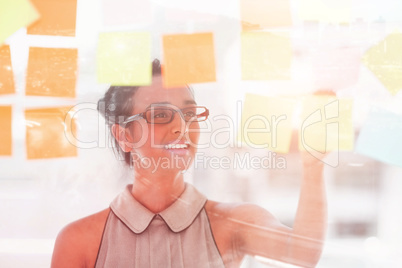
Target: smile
177,146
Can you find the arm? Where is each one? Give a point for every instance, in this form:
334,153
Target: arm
259,233
67,250
78,243
309,228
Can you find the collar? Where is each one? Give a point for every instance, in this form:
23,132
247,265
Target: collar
177,216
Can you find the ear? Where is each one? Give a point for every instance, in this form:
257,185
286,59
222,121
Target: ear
120,134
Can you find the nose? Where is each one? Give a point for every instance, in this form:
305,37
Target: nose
179,125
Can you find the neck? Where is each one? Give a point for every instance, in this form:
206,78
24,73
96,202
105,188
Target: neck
157,194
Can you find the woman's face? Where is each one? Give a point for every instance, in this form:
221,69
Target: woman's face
169,147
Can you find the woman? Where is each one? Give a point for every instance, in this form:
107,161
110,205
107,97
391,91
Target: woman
159,220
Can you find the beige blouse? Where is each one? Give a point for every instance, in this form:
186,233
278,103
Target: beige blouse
179,236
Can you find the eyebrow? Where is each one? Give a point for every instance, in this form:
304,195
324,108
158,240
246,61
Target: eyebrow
186,102
190,102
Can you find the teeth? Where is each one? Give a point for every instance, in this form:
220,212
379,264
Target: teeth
176,146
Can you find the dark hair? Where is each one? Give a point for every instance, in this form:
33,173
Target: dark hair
117,105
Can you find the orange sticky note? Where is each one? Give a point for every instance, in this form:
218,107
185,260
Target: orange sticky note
15,14
5,130
326,124
46,131
262,14
51,72
57,17
6,71
385,61
188,58
267,122
265,56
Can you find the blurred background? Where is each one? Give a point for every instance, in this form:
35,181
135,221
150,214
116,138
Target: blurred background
54,55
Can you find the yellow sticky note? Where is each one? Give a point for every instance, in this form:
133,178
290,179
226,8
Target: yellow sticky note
51,72
267,122
15,14
262,14
5,130
6,71
58,17
124,58
326,124
46,131
188,58
325,10
385,61
265,56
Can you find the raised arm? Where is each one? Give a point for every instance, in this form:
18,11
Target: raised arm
310,224
259,233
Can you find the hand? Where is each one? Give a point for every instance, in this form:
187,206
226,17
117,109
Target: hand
311,160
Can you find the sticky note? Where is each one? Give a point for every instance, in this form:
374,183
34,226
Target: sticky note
124,59
58,17
265,56
380,137
6,71
336,68
326,124
325,10
15,14
263,14
51,72
5,130
385,61
267,122
126,12
188,58
46,131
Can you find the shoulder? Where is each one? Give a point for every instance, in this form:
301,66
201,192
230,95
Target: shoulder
77,244
245,228
232,223
239,213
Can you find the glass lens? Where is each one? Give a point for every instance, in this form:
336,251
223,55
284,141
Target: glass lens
159,115
194,113
162,115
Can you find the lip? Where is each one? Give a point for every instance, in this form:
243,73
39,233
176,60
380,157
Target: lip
180,148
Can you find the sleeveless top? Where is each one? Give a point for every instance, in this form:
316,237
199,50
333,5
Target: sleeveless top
179,236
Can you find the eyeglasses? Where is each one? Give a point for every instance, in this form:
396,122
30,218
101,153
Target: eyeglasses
164,115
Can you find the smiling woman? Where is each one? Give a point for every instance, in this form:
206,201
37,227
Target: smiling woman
161,221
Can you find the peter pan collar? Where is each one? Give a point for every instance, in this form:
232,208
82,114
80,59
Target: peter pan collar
177,216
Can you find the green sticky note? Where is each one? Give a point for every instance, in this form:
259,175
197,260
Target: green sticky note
267,122
265,56
15,14
385,61
124,58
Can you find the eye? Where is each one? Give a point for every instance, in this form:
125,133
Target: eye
160,114
189,113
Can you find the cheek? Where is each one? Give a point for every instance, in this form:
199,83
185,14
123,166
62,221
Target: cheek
139,133
194,133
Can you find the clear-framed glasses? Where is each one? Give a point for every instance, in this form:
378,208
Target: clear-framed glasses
165,114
